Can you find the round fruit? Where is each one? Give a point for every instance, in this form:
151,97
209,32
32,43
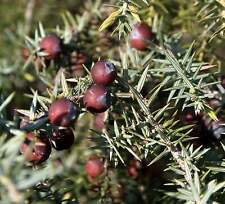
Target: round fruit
190,116
35,149
51,45
94,167
62,139
134,168
140,36
103,73
97,99
62,112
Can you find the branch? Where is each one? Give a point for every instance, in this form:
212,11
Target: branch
177,155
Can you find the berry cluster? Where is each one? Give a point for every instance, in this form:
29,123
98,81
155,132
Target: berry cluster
94,167
62,113
206,130
97,98
37,147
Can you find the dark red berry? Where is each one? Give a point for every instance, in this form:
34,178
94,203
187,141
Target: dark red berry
94,167
62,112
25,52
62,139
51,45
140,36
103,73
97,99
35,149
134,168
189,115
